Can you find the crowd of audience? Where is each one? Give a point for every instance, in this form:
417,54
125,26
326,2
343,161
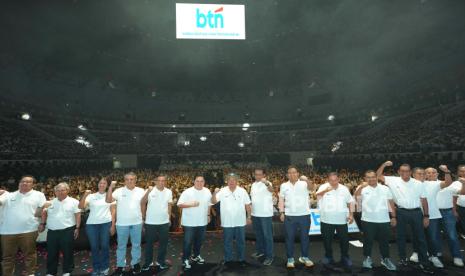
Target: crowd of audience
423,131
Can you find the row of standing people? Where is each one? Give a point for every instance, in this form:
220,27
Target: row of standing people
402,201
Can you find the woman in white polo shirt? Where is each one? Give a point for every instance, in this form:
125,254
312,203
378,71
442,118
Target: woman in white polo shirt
100,224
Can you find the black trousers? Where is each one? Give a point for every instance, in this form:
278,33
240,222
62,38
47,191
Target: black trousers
413,218
327,231
154,233
376,231
60,240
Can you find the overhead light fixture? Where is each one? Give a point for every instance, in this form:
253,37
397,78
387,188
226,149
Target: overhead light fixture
173,126
244,129
245,125
331,118
203,138
25,116
374,118
82,127
241,144
187,143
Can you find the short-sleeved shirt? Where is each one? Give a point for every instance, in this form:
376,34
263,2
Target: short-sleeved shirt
296,198
432,188
333,204
445,196
375,203
99,209
232,206
262,200
406,194
19,212
195,216
128,209
461,198
157,206
62,214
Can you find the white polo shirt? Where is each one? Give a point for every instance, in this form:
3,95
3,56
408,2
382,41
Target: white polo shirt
432,188
375,203
406,194
128,209
19,212
333,204
232,206
461,198
61,214
157,206
99,209
262,200
445,196
195,216
296,198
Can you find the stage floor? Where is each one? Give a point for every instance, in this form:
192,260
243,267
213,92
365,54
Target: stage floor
213,255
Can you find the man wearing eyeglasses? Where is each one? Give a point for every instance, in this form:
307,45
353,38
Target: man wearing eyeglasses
412,209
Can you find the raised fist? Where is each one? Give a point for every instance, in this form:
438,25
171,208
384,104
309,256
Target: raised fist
388,163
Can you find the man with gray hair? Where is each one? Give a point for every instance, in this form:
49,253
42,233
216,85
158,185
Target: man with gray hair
235,214
128,221
63,219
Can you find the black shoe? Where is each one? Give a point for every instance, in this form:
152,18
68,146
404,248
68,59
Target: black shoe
163,266
119,271
146,267
426,269
136,269
243,264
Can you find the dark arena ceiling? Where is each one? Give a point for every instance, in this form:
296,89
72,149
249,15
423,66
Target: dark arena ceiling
302,59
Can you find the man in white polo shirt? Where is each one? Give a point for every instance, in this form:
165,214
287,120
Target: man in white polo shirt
158,202
195,203
412,209
128,221
235,214
432,187
19,225
294,209
377,205
457,189
261,194
63,219
336,211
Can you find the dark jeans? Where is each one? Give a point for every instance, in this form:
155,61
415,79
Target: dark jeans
99,239
327,231
193,236
448,224
263,228
379,232
461,211
291,224
433,237
230,234
414,218
60,240
154,233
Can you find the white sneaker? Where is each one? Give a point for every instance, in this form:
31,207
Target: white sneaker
306,261
67,274
458,262
186,264
414,257
436,262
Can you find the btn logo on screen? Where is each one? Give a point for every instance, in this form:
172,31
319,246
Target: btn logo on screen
211,19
